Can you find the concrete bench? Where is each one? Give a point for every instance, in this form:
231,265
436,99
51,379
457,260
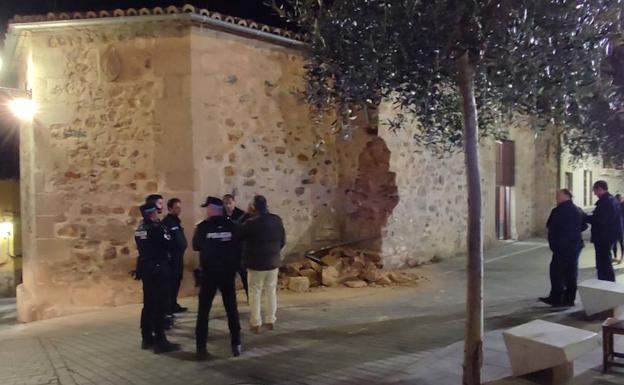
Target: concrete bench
542,345
598,296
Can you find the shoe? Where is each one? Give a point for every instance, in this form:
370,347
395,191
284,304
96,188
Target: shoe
550,301
166,347
201,354
179,309
147,344
237,350
568,304
269,327
255,329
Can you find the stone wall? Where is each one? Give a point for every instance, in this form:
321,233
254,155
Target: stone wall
90,157
252,134
130,109
583,195
430,219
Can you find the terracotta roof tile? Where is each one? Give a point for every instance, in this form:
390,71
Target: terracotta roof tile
130,12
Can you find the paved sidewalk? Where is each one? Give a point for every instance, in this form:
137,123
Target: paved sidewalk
401,335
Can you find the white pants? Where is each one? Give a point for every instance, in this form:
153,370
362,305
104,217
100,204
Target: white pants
262,289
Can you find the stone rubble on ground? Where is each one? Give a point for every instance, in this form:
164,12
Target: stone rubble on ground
352,268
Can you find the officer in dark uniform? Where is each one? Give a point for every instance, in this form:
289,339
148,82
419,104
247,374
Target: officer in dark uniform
178,245
152,240
214,238
565,226
237,215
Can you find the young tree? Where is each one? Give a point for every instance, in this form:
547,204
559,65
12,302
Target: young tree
494,58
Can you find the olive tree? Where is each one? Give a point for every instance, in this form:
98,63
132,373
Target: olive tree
463,68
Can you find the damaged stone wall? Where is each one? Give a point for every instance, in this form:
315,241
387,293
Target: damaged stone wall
130,109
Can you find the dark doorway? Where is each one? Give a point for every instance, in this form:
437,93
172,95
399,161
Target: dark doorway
505,180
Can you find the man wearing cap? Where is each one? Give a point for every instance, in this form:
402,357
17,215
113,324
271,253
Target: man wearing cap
152,241
157,200
214,238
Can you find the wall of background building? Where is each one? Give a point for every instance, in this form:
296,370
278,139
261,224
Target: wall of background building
10,243
583,173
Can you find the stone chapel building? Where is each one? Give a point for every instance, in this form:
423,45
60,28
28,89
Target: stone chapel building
186,102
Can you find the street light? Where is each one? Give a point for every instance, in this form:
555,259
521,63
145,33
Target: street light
6,229
24,109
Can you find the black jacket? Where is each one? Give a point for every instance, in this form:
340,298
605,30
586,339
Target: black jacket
153,241
565,225
216,240
179,242
236,215
606,220
263,237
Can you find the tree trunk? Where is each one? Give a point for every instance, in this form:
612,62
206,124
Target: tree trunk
473,349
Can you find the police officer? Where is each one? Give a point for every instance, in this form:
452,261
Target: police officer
214,238
235,214
606,228
152,240
565,225
178,245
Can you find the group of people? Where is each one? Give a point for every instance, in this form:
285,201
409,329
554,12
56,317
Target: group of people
565,226
229,241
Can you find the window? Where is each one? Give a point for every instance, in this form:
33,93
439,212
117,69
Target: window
588,182
569,181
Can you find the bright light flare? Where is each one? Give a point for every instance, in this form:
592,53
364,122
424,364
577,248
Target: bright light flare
6,229
24,109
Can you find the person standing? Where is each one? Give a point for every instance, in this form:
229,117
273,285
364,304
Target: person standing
565,225
606,227
152,241
157,200
214,238
178,245
263,237
235,214
620,240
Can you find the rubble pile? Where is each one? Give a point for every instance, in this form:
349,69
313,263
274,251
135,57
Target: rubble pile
342,266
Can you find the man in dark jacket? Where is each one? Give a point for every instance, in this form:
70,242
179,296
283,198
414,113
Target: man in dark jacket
152,241
565,225
237,215
214,238
178,245
606,226
263,237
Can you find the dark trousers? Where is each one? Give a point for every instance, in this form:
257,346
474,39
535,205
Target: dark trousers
213,280
156,277
615,245
564,275
603,261
177,270
243,274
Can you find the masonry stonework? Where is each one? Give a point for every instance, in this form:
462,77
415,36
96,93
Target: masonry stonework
128,109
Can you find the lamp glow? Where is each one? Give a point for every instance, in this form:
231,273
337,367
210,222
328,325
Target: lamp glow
6,229
23,109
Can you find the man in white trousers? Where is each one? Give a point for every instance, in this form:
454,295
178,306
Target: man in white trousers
263,238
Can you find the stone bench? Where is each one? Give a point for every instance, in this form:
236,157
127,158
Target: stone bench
541,345
598,296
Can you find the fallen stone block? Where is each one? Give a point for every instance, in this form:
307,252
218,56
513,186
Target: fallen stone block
598,296
312,275
356,284
540,345
329,276
299,284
